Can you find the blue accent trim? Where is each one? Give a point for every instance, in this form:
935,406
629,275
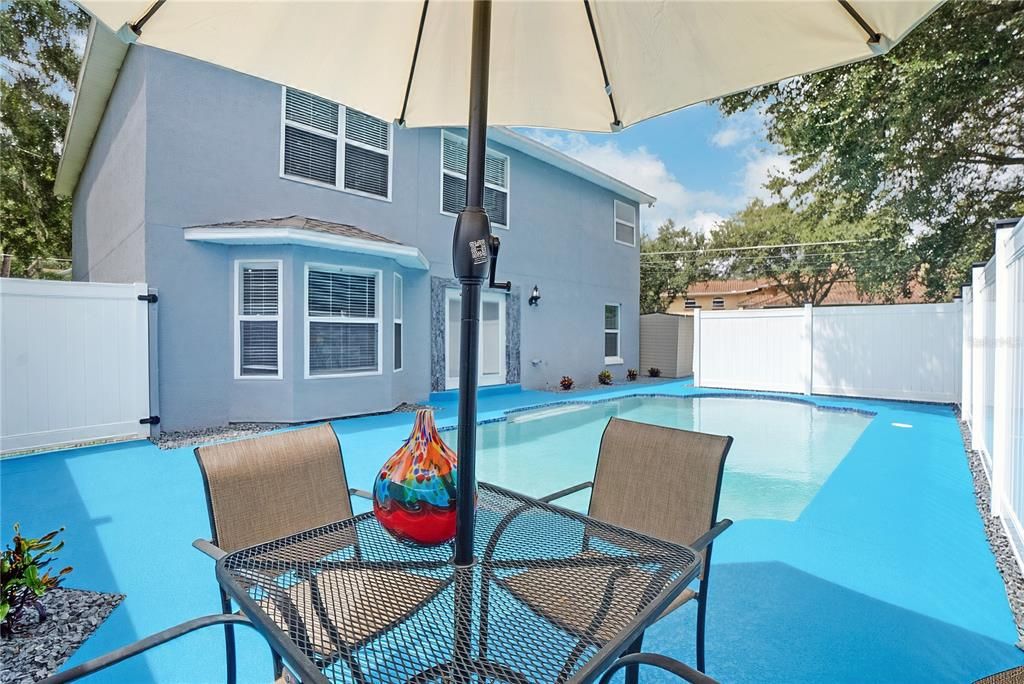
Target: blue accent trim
489,391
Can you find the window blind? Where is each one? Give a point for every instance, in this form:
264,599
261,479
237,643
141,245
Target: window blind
343,322
258,320
453,181
313,130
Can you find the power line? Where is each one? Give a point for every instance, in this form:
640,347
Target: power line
745,248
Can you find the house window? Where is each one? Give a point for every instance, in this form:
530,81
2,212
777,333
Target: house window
625,223
342,321
257,319
717,303
453,180
691,304
611,333
398,306
330,144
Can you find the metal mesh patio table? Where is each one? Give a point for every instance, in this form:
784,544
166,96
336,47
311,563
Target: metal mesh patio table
347,603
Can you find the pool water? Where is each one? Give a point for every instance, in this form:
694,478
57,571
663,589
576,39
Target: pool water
783,451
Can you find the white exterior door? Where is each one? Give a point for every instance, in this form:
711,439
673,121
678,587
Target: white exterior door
492,338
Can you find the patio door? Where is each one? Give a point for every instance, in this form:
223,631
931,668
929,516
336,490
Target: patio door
492,338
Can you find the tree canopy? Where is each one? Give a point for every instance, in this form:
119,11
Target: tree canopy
669,262
929,136
39,45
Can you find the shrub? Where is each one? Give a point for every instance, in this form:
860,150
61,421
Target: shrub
566,383
654,372
605,377
632,374
24,576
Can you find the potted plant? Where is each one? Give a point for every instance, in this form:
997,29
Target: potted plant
566,382
25,576
654,372
605,377
632,374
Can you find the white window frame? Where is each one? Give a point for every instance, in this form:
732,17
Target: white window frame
307,319
339,150
398,295
616,221
718,303
617,359
508,180
239,317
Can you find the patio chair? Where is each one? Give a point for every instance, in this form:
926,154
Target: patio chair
275,485
660,481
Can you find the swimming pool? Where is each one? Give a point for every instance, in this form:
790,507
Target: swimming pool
782,451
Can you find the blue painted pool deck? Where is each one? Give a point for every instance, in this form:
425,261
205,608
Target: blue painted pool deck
885,577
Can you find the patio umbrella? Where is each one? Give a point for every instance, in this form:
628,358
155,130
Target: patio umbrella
590,65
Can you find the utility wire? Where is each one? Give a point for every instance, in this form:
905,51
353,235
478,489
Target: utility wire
745,248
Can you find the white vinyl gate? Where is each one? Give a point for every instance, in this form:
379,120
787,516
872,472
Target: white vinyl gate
993,401
74,363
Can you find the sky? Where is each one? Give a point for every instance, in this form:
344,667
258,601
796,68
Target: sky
701,165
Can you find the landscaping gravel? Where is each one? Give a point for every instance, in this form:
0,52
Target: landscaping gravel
1006,562
37,649
181,438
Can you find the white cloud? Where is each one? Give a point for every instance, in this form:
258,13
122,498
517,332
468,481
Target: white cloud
727,137
760,166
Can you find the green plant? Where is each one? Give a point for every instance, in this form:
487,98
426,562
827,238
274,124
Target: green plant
24,576
605,377
566,382
632,374
654,372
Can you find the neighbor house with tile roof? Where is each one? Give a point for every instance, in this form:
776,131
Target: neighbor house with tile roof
766,294
301,250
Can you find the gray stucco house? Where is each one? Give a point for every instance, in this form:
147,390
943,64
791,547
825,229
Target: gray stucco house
302,250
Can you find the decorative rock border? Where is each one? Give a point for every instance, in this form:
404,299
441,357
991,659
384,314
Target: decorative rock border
1006,562
37,649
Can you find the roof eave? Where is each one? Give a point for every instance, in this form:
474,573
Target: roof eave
101,62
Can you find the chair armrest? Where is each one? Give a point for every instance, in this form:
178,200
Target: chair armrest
361,493
704,540
565,492
214,552
681,670
112,658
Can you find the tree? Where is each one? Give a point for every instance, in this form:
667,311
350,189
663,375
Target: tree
39,43
669,263
931,135
811,251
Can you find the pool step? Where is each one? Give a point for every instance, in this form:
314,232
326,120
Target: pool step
527,416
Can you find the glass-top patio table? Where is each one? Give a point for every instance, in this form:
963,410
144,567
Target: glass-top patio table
348,603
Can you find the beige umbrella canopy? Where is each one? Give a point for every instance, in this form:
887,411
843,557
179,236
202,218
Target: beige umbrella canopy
546,57
591,65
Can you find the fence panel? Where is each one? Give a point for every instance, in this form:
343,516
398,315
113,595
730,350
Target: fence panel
760,349
907,351
74,362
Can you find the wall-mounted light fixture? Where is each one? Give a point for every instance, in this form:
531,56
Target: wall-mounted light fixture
535,297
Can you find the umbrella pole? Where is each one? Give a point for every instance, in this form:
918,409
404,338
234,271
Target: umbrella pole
471,251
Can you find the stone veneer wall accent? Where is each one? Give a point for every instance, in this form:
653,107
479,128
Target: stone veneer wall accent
513,331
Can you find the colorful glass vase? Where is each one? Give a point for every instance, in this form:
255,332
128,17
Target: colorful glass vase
414,493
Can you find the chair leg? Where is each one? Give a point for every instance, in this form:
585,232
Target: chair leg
633,671
701,615
229,641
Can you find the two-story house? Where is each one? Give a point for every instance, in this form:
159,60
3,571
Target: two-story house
301,250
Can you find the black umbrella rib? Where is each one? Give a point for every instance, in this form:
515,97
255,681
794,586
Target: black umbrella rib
873,35
136,26
412,67
616,123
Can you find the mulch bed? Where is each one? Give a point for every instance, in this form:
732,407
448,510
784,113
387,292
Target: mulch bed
37,649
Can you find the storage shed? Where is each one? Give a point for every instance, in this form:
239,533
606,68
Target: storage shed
666,342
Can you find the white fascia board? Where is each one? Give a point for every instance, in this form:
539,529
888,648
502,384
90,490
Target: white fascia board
101,62
404,255
550,155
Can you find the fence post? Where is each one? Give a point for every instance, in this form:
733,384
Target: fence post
808,348
1001,397
696,347
967,353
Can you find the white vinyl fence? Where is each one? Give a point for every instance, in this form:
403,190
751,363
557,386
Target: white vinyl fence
906,351
74,362
993,393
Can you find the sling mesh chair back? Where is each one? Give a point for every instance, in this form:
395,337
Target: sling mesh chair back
660,481
261,489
